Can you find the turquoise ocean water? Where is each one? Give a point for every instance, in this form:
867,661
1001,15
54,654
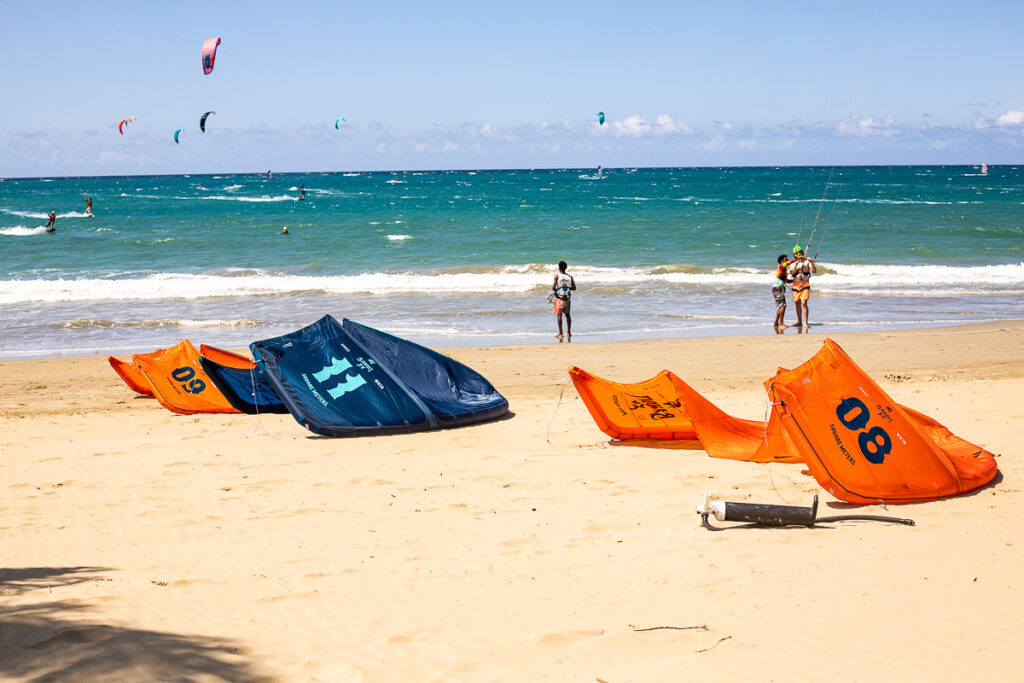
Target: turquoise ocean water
467,257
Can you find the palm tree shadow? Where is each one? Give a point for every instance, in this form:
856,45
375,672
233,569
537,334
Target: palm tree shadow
57,641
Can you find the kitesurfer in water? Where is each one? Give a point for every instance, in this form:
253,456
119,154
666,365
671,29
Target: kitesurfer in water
562,289
799,272
779,292
284,230
88,206
49,225
302,192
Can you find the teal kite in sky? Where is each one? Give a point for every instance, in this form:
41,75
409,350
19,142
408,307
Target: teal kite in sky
336,121
600,118
202,120
176,135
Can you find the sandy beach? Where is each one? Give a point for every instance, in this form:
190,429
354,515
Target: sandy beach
138,544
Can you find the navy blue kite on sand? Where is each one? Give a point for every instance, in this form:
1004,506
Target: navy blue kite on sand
246,389
347,379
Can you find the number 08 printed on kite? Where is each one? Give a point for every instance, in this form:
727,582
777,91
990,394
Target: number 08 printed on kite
863,447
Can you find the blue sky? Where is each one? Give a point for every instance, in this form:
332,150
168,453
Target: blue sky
507,85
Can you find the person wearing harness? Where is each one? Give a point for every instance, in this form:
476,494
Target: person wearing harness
49,225
799,272
562,289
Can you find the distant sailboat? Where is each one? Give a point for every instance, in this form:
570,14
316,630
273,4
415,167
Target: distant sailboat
984,169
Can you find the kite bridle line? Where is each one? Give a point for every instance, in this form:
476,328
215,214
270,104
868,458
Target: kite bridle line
768,403
554,412
874,97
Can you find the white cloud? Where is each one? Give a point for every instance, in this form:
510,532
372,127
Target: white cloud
869,126
636,126
632,126
715,144
1010,118
665,124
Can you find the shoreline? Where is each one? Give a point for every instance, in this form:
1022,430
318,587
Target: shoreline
142,544
493,341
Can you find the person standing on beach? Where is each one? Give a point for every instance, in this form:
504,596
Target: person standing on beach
562,289
49,225
799,272
779,292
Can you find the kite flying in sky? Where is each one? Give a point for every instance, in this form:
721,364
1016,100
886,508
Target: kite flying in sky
202,120
120,126
209,54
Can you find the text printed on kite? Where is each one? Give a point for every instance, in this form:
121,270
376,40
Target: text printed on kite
209,54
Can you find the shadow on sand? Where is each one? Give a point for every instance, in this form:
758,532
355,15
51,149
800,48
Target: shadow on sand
57,641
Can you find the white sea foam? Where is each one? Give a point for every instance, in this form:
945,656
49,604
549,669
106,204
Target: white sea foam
889,275
26,214
399,237
264,198
84,323
523,279
22,231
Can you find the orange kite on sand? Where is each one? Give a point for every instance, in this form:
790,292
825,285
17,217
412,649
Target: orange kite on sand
131,374
176,378
862,446
856,441
667,408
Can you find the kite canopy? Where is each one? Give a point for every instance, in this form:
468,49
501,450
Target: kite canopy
241,382
202,120
131,374
346,379
864,448
176,133
645,410
337,122
120,126
860,445
666,408
600,118
209,53
179,382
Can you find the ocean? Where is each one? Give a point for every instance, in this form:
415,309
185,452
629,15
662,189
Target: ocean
459,258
